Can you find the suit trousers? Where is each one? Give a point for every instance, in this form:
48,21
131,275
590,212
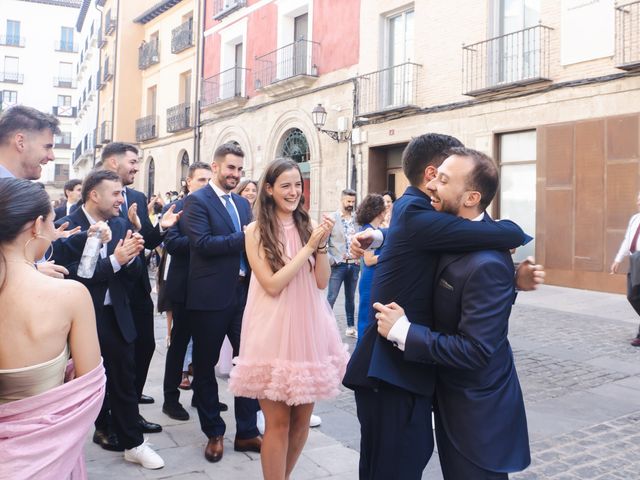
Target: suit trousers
396,439
180,336
145,343
455,466
119,364
208,330
633,295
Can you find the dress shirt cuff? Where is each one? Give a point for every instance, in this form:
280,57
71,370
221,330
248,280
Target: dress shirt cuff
114,263
378,240
399,331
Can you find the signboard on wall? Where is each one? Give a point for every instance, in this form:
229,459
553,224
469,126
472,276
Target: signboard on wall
587,30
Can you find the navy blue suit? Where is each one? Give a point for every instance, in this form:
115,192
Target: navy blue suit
115,325
61,211
141,302
216,298
400,445
481,424
175,289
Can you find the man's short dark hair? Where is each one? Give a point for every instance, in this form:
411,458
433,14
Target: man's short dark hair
23,118
225,149
116,148
428,149
483,178
70,185
95,178
347,192
196,166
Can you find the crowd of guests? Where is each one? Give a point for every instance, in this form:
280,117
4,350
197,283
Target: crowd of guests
242,262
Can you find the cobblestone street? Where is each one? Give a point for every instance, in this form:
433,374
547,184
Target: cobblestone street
581,382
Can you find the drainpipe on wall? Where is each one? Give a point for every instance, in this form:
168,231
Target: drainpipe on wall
199,69
351,157
115,66
95,140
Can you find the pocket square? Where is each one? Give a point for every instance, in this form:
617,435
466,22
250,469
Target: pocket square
443,283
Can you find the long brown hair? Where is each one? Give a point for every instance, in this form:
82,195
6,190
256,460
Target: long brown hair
268,225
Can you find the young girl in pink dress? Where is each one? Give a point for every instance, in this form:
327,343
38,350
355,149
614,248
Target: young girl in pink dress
291,353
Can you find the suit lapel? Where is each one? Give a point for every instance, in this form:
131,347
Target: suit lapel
116,235
219,207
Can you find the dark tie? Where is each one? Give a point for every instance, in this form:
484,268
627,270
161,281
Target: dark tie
124,208
236,224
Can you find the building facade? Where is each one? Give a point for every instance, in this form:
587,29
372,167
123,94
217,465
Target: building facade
266,66
547,88
38,54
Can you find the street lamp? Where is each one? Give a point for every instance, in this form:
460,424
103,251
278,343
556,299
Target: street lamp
319,118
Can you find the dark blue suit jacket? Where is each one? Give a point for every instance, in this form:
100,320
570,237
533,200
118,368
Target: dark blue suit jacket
405,273
216,249
68,253
177,245
61,211
479,400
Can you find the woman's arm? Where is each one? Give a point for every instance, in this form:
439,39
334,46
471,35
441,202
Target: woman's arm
83,336
369,258
274,283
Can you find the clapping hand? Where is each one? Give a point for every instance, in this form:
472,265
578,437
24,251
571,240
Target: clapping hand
133,217
62,232
128,247
170,218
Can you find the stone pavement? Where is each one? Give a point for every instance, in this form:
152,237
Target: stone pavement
581,382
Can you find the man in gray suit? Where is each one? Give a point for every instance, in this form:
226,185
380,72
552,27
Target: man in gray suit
344,267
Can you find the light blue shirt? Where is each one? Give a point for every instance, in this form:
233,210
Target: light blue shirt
4,173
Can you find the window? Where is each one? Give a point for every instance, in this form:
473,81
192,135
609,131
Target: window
152,94
63,140
185,87
399,45
9,98
397,78
13,32
64,100
151,178
61,173
11,65
65,73
518,184
66,39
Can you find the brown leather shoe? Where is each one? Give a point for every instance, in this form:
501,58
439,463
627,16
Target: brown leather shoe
214,449
248,444
185,384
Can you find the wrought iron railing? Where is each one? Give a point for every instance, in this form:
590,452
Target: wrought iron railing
146,128
11,40
110,23
222,8
182,37
516,58
388,89
148,54
101,40
11,77
297,58
66,46
64,82
179,117
99,81
88,143
628,36
107,74
223,86
65,111
77,152
106,132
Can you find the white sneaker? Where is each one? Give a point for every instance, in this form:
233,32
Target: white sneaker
260,422
351,332
145,456
315,421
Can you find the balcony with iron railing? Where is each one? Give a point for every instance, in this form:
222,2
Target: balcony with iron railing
99,81
507,61
66,111
222,8
179,117
146,128
388,90
148,54
101,40
77,153
226,90
107,74
11,77
182,37
110,24
11,40
288,68
628,36
66,46
64,82
106,132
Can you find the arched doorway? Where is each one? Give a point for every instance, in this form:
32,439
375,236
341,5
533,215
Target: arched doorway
184,169
294,145
151,177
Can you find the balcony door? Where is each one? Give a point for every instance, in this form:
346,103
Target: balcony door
516,50
237,72
13,32
300,46
396,79
11,69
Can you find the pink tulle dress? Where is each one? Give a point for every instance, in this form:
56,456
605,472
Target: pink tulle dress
290,348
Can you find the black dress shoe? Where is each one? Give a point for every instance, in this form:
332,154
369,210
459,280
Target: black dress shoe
148,427
177,412
223,406
145,399
107,440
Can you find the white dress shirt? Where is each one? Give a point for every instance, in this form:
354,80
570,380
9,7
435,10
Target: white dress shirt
625,246
400,330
